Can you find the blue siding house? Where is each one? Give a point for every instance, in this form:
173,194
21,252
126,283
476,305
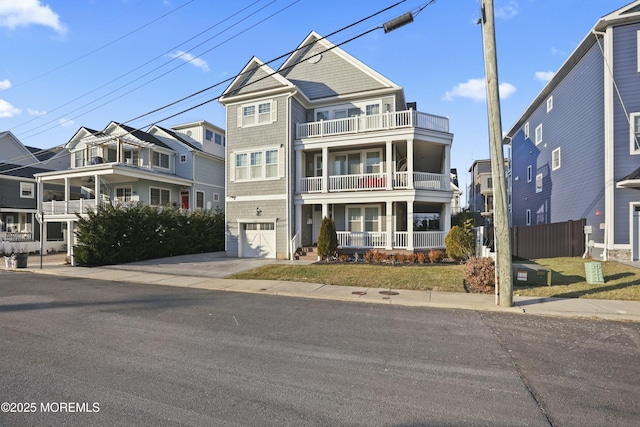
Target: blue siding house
575,151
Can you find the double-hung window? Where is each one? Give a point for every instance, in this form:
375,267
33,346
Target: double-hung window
257,165
159,196
635,133
200,199
539,183
555,159
208,134
123,194
79,158
27,190
259,113
539,134
161,160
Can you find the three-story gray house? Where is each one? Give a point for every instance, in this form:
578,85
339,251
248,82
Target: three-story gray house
327,136
576,149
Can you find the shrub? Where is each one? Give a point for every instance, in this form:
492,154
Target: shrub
379,256
343,257
422,257
435,255
480,273
411,258
328,239
369,256
402,258
460,242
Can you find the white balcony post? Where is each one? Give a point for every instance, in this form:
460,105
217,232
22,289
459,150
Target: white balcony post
67,195
390,230
96,190
410,164
445,219
410,225
447,168
390,171
298,224
325,169
40,196
299,166
325,211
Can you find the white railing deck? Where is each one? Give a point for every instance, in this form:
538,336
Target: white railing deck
400,239
375,181
80,206
364,123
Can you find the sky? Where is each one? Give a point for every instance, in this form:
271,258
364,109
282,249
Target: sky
89,62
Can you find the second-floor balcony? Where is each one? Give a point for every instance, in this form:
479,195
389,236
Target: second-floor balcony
82,206
375,181
376,122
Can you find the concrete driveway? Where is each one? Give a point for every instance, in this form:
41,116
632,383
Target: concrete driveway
215,264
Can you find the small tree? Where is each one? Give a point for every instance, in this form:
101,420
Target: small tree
328,239
460,242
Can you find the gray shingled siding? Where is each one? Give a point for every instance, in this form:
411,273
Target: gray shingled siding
257,80
628,80
575,124
329,77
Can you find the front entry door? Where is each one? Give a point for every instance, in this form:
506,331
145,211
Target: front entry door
184,199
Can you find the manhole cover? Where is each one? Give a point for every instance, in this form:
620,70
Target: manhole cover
388,293
358,293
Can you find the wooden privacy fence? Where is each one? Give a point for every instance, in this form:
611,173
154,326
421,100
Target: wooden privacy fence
560,239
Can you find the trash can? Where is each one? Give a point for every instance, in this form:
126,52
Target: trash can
19,260
593,271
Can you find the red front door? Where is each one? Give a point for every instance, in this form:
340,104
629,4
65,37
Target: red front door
184,199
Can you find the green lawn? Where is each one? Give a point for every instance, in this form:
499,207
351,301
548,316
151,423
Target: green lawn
567,281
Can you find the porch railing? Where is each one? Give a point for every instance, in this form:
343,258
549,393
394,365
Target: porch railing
375,181
378,239
62,207
368,123
21,236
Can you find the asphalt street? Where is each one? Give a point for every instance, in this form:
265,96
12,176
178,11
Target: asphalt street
90,352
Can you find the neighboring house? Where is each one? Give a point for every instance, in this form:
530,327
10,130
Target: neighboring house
327,136
457,193
121,165
576,149
18,198
480,190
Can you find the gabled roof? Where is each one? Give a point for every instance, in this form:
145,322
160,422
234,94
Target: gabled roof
177,136
11,169
28,155
313,66
255,76
624,15
115,129
44,154
141,135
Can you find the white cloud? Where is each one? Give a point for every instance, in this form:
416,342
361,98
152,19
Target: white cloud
65,122
195,61
475,89
544,76
36,112
22,13
508,11
5,84
8,110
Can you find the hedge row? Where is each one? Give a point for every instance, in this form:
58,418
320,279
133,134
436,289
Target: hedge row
115,235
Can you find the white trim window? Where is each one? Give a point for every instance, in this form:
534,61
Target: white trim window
555,159
526,130
183,158
258,165
539,134
159,196
79,158
216,197
634,134
258,113
363,218
528,216
529,173
208,134
199,199
27,190
219,139
550,103
160,160
539,183
123,194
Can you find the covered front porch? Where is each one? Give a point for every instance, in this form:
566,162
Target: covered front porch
392,225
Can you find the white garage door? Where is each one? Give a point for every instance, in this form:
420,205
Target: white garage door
258,240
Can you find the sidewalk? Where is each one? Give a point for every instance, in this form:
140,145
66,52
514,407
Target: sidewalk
205,271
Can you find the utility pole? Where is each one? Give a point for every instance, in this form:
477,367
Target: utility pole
504,274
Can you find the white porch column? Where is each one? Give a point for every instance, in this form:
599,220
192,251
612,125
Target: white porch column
96,190
298,225
67,195
299,166
40,196
410,225
390,170
445,217
325,172
410,163
70,237
390,228
325,211
446,165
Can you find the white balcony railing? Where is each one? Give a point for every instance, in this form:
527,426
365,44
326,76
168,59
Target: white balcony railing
375,181
376,122
61,207
400,239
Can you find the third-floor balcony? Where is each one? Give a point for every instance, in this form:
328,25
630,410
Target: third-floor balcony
369,123
375,181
